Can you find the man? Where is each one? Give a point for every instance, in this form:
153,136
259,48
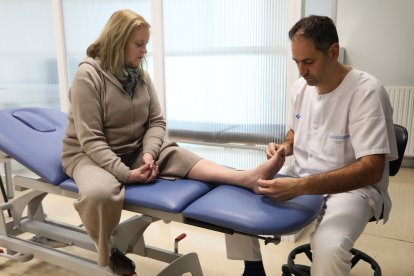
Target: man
342,136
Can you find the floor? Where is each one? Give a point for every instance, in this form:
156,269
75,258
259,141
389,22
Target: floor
392,244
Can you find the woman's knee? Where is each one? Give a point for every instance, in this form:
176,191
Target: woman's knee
102,196
96,184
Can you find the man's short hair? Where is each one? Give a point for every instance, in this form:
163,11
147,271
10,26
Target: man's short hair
321,29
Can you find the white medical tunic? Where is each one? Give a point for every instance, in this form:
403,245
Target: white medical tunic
333,130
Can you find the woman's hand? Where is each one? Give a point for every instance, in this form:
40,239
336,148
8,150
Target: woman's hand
148,159
143,174
153,175
146,173
140,174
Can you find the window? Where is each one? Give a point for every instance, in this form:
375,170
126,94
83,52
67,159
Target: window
84,21
28,74
225,73
225,64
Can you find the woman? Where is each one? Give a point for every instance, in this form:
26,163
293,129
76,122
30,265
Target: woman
116,135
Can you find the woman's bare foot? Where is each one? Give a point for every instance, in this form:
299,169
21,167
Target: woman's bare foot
266,170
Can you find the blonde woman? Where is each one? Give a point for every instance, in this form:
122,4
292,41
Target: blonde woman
116,135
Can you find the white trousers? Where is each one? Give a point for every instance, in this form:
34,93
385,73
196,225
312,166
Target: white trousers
341,222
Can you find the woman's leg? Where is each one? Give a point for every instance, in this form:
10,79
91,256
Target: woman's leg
99,205
208,171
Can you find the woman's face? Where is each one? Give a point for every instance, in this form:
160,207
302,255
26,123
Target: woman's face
136,46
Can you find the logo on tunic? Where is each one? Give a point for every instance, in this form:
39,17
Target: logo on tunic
298,116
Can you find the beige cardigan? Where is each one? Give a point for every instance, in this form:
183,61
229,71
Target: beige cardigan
105,122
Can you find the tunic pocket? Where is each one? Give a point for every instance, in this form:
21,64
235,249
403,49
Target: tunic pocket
339,149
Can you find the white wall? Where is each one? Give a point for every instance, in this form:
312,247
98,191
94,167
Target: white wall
378,36
321,7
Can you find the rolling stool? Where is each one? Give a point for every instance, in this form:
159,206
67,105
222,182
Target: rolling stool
291,267
304,270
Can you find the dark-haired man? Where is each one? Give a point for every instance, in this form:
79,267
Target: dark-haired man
341,134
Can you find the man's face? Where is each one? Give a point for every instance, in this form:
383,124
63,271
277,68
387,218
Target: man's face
313,64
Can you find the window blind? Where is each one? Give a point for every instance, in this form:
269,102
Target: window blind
225,72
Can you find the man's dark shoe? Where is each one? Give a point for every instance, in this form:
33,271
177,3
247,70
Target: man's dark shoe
121,264
254,268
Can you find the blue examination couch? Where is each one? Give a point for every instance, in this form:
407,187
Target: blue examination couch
32,136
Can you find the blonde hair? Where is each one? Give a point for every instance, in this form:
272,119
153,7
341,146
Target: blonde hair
110,45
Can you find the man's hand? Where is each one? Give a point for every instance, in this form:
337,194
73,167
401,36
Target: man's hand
367,170
280,189
287,144
272,148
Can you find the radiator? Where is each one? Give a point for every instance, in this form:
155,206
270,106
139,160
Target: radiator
402,101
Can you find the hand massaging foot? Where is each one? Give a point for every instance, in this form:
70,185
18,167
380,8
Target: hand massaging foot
266,170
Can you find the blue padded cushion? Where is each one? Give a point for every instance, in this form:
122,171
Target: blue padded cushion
34,121
69,184
243,211
166,195
163,195
33,137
